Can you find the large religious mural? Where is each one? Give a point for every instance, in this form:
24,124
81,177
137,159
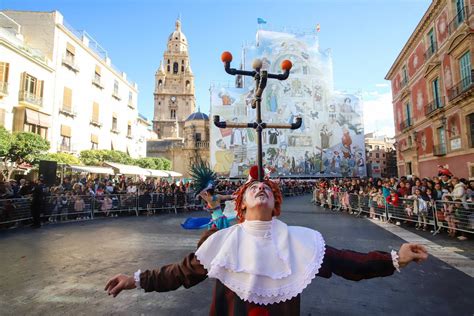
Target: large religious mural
330,142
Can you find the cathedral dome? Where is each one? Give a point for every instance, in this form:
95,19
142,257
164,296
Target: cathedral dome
198,116
177,35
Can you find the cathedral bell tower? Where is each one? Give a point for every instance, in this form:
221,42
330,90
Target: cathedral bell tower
174,88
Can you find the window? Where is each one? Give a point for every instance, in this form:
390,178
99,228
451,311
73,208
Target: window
408,168
173,114
383,155
175,68
94,141
36,129
441,139
31,89
65,143
130,98
408,114
465,70
114,122
404,75
436,96
67,100
370,155
198,137
470,119
116,87
377,155
4,77
95,113
30,84
70,52
460,11
432,42
129,130
97,74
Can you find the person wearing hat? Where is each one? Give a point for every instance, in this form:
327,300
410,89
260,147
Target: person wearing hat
261,265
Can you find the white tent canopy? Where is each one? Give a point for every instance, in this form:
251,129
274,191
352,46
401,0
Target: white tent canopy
158,173
173,174
91,169
127,169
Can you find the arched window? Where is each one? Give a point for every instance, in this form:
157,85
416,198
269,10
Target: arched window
188,84
160,83
175,68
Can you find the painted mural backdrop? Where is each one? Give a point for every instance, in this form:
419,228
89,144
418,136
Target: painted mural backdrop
330,142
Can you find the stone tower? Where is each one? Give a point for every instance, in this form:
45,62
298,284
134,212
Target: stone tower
174,88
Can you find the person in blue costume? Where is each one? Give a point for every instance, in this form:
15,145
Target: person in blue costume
213,200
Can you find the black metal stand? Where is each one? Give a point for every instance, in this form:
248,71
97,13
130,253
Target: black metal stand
260,77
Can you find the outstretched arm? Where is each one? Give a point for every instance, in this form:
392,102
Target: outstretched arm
187,273
356,266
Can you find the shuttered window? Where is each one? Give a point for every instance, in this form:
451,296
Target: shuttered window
65,130
95,112
67,99
4,71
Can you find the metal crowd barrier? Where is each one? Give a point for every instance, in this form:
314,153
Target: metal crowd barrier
451,216
68,207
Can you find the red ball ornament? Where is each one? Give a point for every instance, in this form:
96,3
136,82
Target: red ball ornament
286,65
254,172
226,57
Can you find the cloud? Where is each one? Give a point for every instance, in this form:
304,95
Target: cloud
381,85
378,113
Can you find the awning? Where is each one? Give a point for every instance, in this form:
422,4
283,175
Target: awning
94,138
92,169
173,174
32,117
158,173
71,48
37,118
128,169
66,130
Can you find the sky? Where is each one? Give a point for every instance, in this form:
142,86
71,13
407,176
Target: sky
364,36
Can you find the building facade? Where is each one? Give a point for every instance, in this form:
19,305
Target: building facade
183,134
432,87
91,105
380,152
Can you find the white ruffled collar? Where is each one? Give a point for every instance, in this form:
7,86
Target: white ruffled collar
263,262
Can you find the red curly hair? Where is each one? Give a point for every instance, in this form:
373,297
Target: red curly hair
239,200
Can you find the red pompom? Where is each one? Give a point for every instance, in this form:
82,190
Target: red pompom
258,311
286,65
226,57
253,173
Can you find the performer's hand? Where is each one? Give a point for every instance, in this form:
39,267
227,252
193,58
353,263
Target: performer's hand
411,252
118,283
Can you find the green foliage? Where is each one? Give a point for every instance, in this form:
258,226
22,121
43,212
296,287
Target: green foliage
19,148
147,163
64,158
27,147
97,157
166,164
5,141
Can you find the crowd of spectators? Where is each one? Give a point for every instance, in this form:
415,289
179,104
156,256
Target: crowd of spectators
77,198
448,198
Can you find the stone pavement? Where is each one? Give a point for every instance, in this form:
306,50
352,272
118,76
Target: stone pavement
62,269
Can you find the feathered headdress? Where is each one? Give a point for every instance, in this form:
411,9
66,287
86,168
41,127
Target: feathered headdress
202,175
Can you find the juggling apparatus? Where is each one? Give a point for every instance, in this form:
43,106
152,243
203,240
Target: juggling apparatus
260,76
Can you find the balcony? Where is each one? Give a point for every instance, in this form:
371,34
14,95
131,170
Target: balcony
68,61
67,112
434,105
461,17
131,105
405,124
96,82
28,97
439,150
463,86
95,123
65,148
3,88
431,51
114,130
202,144
116,96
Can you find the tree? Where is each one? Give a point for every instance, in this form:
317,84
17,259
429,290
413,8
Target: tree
147,163
97,157
63,158
24,147
166,164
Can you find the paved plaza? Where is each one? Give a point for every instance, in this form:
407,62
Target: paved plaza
62,269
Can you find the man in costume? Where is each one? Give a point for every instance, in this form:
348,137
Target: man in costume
261,265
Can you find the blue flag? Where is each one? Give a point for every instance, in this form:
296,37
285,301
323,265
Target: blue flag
261,21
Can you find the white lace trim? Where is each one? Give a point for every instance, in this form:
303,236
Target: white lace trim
305,257
395,257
